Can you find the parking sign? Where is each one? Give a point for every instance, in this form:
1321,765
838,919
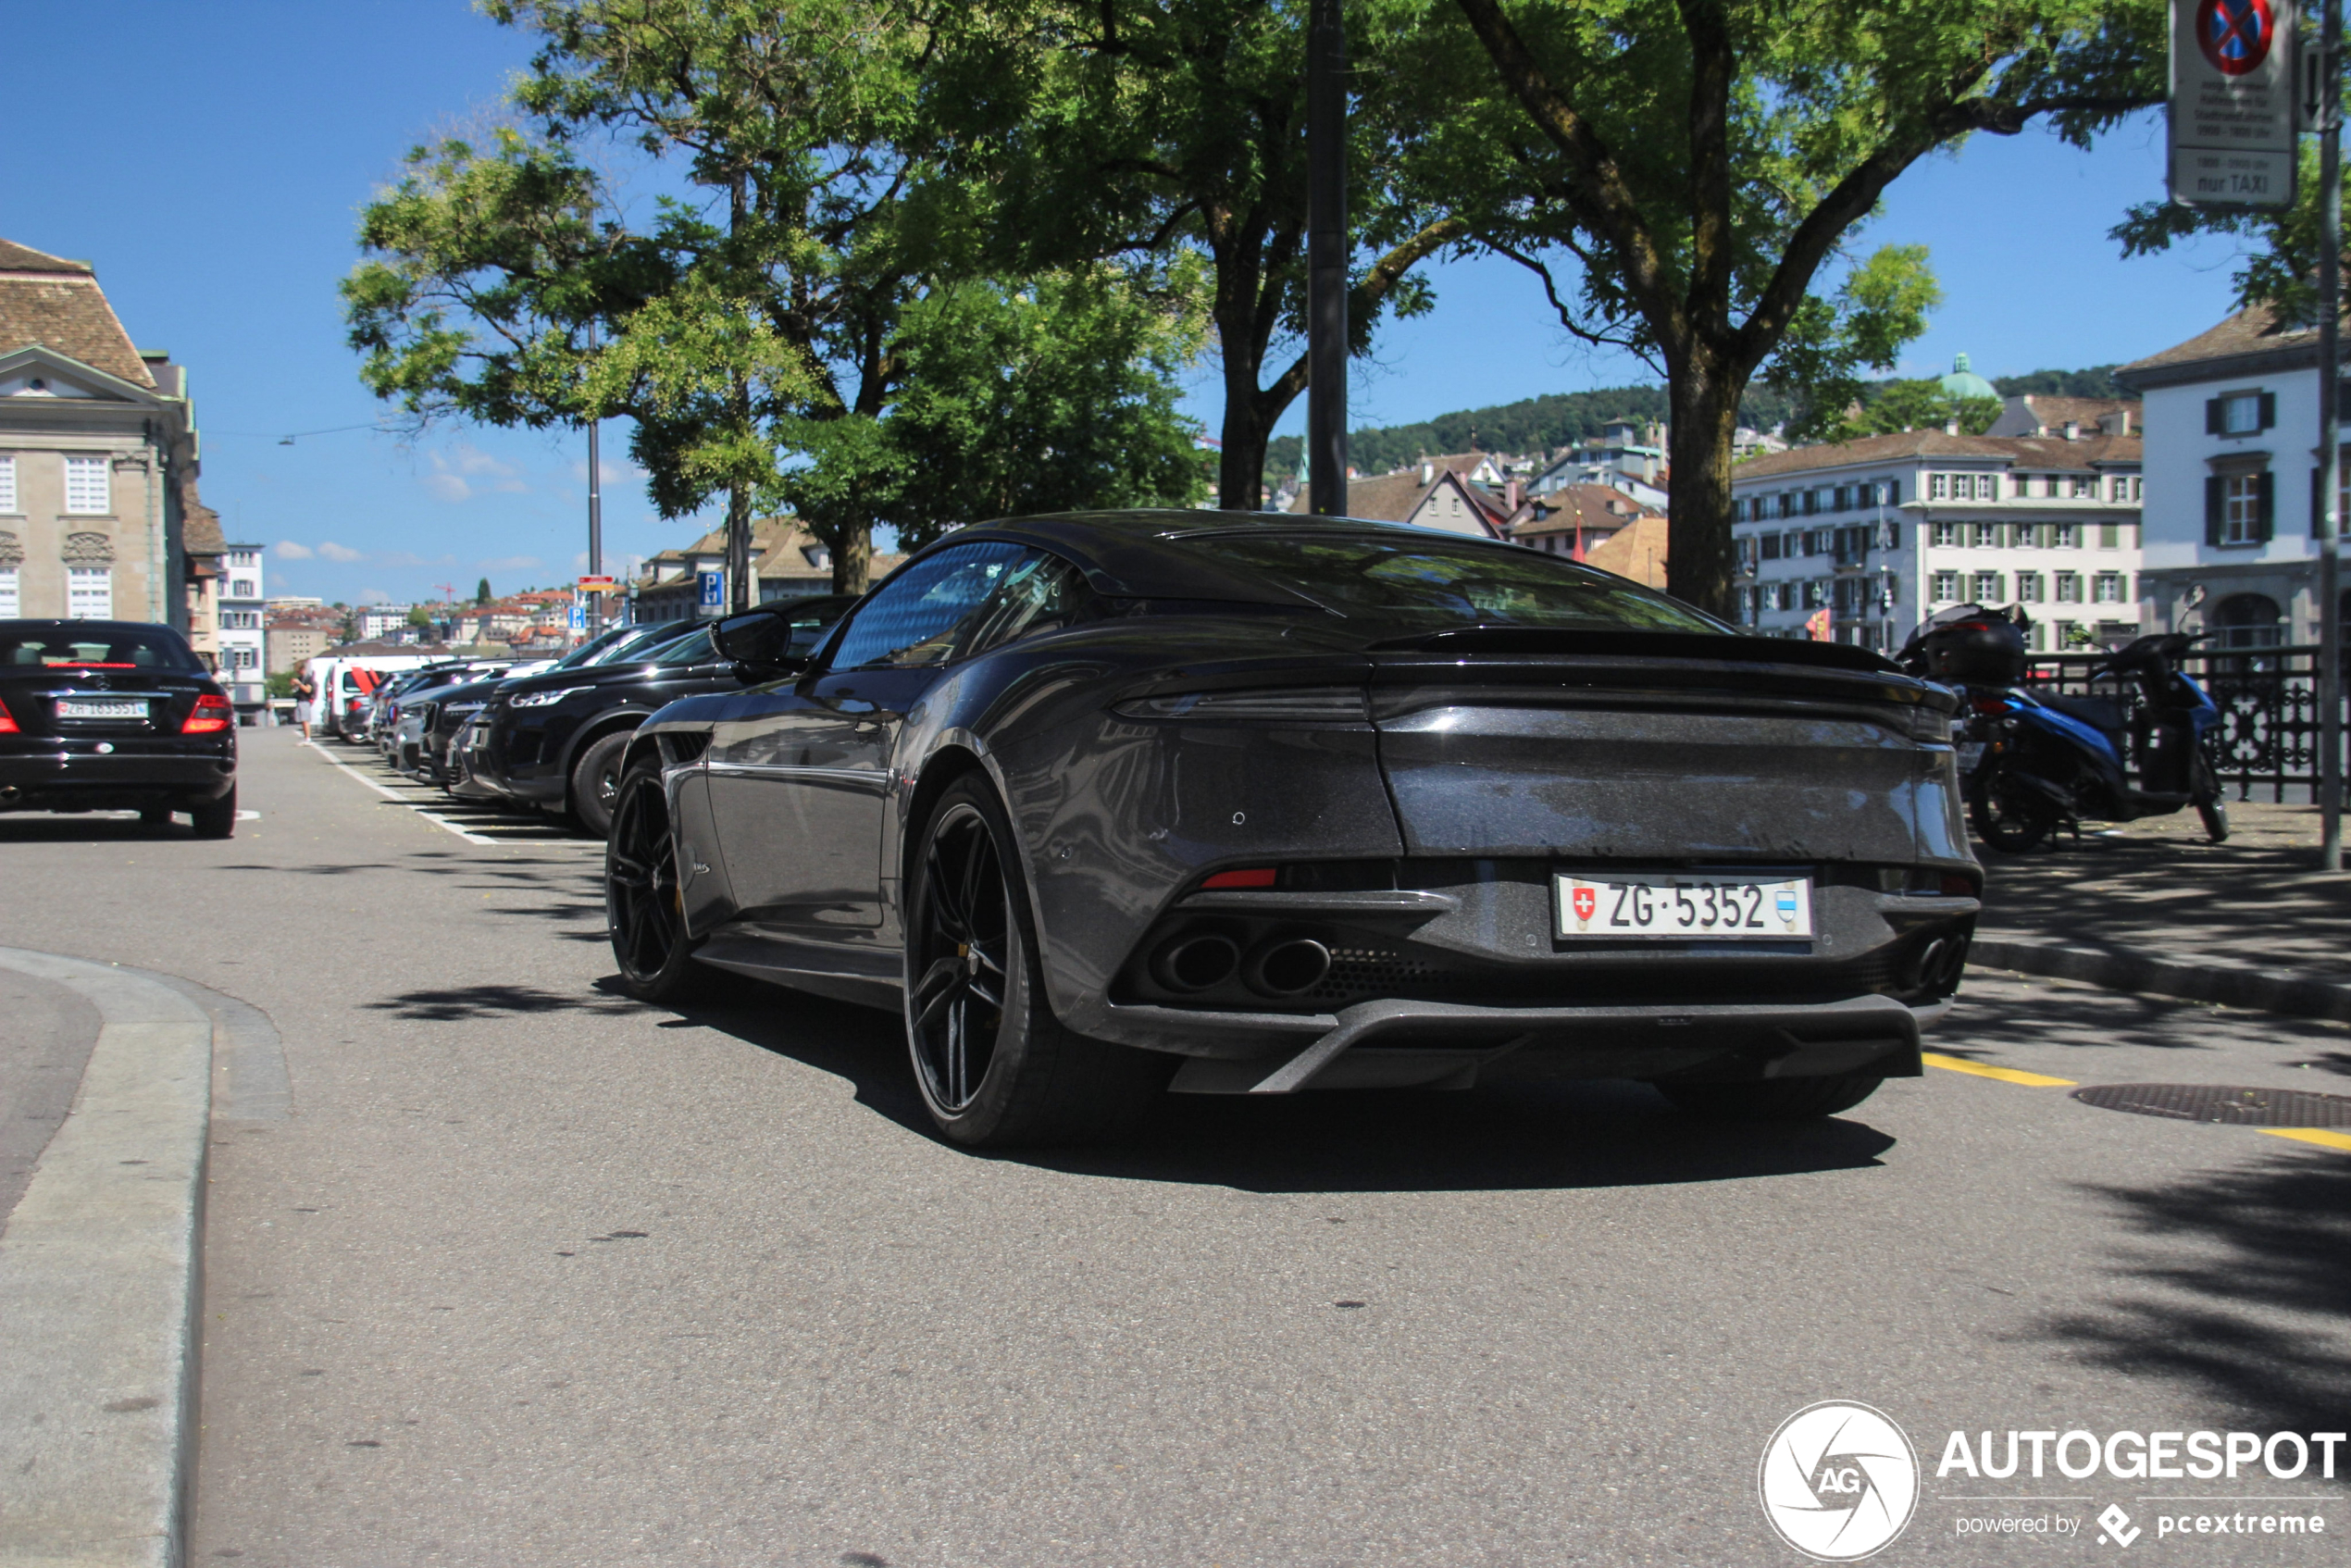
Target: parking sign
713,591
2232,116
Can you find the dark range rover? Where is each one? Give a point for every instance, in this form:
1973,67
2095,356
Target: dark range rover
110,716
556,738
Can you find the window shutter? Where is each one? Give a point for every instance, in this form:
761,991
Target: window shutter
2265,525
2212,505
2211,416
2268,409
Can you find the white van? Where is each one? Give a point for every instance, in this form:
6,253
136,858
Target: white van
347,687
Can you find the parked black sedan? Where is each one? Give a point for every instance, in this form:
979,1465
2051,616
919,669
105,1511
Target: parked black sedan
556,738
1102,804
110,716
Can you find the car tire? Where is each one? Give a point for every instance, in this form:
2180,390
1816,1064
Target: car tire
994,1066
644,906
595,782
1772,1100
215,819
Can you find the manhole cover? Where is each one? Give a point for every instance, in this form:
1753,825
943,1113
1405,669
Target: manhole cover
2222,1102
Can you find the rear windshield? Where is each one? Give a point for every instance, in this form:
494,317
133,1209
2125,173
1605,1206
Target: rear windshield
1416,585
90,648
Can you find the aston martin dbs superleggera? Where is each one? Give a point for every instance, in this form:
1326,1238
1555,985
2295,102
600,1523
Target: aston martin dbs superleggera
1110,804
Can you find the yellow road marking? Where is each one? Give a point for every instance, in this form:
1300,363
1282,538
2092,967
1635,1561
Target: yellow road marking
2319,1135
2006,1074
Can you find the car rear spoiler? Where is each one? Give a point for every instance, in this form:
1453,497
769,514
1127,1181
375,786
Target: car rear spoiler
1538,640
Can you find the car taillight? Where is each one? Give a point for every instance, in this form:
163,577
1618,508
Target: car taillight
7,721
212,711
1261,876
1989,704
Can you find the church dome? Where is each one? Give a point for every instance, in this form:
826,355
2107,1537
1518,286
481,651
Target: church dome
1963,382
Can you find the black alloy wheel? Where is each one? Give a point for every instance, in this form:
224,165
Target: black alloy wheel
994,1065
644,904
2010,816
595,782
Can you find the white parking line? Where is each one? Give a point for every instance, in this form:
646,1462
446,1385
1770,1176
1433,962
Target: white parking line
436,820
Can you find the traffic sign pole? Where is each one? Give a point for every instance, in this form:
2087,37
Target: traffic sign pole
2330,682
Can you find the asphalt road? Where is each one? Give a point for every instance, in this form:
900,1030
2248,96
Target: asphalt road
532,1275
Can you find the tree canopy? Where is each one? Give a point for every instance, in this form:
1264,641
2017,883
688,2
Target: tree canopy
1684,179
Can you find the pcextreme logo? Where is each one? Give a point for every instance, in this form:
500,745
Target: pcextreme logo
1838,1481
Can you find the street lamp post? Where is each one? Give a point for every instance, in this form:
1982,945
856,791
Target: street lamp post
595,531
1326,260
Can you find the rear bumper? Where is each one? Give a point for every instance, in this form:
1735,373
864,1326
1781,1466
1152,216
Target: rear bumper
43,774
1397,1043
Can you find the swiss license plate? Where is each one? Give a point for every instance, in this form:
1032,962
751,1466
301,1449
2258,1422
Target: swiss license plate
1640,904
79,707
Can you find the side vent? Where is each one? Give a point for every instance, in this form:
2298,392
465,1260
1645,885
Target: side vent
686,747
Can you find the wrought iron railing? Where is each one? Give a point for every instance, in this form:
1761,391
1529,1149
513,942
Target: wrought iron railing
2268,699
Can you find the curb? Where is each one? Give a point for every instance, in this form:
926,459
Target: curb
101,1288
2262,990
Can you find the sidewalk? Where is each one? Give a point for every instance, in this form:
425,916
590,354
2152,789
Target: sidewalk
2149,906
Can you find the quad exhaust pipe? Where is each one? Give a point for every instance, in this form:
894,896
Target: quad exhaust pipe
1200,961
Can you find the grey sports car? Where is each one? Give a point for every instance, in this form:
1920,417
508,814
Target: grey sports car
1110,804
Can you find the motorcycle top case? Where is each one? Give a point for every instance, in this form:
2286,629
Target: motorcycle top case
1987,652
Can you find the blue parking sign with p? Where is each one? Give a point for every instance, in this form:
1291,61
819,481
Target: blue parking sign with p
713,590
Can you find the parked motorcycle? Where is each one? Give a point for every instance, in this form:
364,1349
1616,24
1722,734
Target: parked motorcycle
2035,762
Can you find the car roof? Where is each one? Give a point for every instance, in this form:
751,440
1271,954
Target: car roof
1141,553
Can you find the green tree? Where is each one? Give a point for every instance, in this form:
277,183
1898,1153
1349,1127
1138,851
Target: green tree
1155,130
1888,407
420,617
482,592
1684,178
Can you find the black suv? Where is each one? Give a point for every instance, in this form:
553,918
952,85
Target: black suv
555,739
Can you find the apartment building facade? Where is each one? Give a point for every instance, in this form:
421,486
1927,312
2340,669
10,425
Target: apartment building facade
1883,531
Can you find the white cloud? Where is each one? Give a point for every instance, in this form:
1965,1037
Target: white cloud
374,596
344,552
510,564
471,459
467,470
289,551
447,487
408,558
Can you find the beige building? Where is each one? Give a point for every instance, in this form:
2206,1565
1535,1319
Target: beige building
99,456
293,642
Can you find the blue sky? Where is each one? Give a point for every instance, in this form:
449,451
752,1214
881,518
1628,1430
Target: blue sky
217,184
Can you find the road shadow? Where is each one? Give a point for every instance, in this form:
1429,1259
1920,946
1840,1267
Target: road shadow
461,1003
1598,1133
83,827
2235,1282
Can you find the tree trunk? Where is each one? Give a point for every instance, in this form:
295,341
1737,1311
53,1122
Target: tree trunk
852,558
742,592
1699,560
1240,464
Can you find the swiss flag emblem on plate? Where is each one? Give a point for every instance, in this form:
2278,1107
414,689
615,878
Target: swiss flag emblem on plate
1585,902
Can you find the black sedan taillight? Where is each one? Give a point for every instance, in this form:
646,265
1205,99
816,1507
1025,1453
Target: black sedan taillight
211,713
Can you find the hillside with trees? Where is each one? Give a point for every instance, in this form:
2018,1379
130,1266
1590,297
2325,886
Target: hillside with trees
1545,424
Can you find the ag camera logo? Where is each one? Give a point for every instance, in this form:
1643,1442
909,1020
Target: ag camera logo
1838,1481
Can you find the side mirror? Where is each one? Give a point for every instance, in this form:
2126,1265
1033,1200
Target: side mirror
759,642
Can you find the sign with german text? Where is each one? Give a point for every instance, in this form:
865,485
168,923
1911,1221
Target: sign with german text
2234,93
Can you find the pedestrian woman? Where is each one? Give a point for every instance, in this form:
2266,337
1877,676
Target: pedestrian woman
305,692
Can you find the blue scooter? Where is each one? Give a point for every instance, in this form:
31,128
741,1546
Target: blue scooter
2050,760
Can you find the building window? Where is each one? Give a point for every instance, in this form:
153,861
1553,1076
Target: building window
1938,487
2117,488
2240,509
2246,620
1987,588
2240,414
2069,588
1947,588
1771,546
2086,487
1947,534
2028,588
89,593
1787,503
9,602
243,658
8,484
2065,536
88,494
2112,586
1987,536
240,588
2136,493
2024,486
